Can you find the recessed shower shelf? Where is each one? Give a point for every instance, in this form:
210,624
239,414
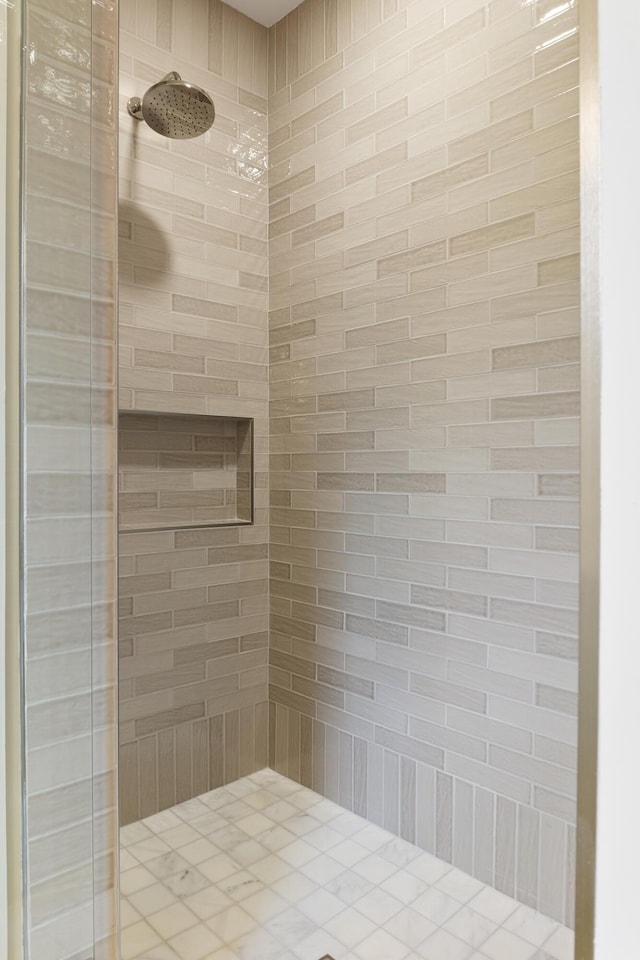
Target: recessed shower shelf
179,471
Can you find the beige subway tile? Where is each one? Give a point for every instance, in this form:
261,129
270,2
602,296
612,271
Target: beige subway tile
377,249
529,251
408,394
353,281
492,434
451,366
538,353
411,439
443,38
542,88
447,82
419,303
562,160
450,413
536,511
499,284
496,234
370,205
374,334
377,121
493,90
410,349
375,165
317,114
412,259
494,585
564,105
418,166
318,229
395,373
535,144
450,178
536,196
449,272
563,432
378,460
539,459
475,458
558,594
530,302
557,539
536,406
376,419
372,39
558,54
490,534
559,269
352,114
424,131
449,507
502,185
345,238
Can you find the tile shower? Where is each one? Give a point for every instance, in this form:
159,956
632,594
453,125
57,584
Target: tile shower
373,255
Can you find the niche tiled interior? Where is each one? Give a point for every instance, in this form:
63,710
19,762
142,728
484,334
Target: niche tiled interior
179,471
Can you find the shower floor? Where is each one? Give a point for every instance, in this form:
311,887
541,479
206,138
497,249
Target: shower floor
264,869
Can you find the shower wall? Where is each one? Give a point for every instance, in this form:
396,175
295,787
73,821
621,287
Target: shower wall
193,336
424,424
68,530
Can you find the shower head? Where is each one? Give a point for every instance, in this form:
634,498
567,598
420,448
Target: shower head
174,108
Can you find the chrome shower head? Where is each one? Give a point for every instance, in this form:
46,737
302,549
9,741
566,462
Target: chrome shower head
174,108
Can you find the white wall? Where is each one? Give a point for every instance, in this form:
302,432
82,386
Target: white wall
618,825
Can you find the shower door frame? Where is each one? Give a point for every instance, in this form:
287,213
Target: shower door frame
11,721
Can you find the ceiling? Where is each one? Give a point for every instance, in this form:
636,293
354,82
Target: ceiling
264,11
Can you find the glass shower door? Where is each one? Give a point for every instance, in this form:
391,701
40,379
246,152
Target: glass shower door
68,539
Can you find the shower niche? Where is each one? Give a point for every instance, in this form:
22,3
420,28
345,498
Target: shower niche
181,471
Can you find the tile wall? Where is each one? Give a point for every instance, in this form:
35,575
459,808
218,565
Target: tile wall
68,340
194,340
424,424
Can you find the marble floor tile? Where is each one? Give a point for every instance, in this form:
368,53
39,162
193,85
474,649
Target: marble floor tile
135,879
196,943
232,923
136,939
291,926
560,944
149,849
264,869
151,899
470,926
321,906
381,946
349,886
410,927
172,920
294,887
442,945
351,927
